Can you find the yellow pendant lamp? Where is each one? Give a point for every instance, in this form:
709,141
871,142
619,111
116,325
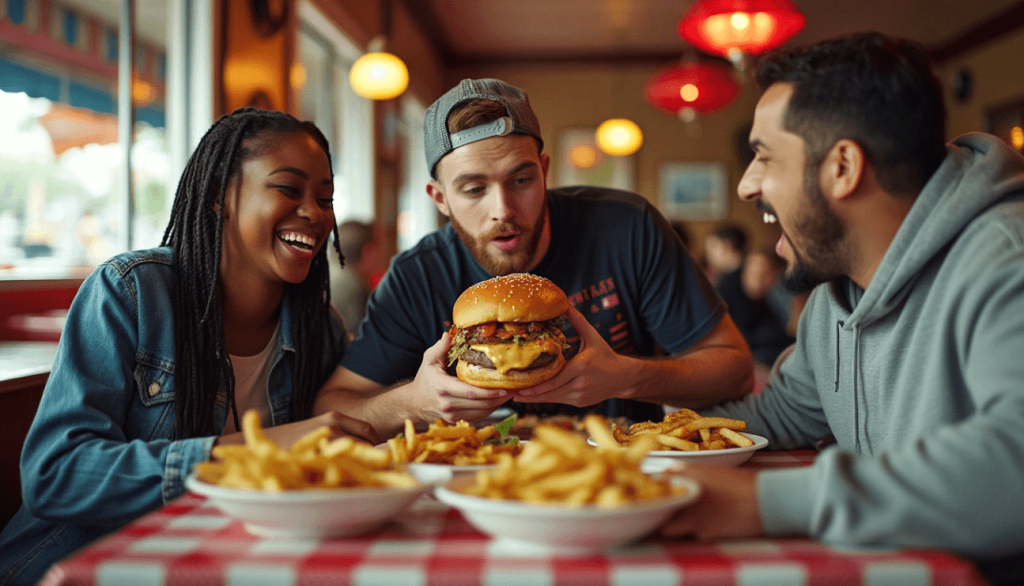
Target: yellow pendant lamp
619,137
379,75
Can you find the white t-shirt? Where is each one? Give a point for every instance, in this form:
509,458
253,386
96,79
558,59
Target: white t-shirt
252,374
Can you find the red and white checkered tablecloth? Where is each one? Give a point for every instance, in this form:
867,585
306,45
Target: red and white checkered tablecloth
190,543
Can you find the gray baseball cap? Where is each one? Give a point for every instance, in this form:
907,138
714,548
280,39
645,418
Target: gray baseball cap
521,120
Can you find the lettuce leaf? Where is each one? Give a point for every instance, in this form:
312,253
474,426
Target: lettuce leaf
503,428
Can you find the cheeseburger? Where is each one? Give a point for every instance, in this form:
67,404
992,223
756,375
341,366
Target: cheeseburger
508,332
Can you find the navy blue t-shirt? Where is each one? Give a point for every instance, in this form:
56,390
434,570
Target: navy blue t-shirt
615,256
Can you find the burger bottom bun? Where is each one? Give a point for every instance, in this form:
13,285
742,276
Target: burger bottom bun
489,378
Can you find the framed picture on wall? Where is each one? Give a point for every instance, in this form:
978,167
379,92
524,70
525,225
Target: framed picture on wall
579,162
693,191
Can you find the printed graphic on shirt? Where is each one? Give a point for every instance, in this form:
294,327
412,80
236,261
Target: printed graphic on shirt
597,302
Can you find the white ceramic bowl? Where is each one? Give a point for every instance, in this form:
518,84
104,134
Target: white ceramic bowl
309,514
432,472
563,529
725,457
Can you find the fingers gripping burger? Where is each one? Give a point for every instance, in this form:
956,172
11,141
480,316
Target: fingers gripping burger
508,332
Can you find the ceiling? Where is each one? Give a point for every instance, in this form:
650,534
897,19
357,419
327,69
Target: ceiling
578,31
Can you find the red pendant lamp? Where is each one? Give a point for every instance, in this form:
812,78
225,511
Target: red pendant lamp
727,27
691,89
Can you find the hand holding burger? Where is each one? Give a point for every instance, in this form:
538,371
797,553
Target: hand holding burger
507,332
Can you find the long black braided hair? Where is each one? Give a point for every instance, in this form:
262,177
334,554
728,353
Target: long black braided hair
202,366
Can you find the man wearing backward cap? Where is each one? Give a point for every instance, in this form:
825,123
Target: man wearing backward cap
637,292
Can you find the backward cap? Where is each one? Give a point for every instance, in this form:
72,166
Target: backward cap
437,142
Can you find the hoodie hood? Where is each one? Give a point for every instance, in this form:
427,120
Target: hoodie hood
979,170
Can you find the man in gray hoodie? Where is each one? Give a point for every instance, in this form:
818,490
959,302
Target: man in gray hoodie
911,352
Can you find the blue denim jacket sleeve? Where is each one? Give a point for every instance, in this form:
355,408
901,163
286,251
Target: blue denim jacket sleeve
98,450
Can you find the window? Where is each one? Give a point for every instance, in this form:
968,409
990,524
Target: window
66,206
417,215
323,95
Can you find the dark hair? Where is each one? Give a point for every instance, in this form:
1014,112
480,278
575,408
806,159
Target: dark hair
474,113
734,235
875,90
202,366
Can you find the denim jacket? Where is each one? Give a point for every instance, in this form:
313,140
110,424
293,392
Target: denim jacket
98,454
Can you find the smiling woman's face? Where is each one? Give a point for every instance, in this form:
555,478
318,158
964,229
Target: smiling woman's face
279,211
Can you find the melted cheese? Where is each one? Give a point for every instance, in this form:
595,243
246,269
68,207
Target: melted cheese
508,356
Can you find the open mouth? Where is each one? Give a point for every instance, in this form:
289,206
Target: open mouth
768,216
300,241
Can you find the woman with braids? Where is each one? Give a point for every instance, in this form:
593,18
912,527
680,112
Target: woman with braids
163,349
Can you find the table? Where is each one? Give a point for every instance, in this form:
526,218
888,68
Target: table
25,364
189,543
24,369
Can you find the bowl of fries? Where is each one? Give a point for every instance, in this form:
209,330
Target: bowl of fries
687,435
455,448
561,495
315,489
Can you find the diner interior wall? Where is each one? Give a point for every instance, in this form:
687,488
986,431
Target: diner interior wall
361,20
997,76
570,96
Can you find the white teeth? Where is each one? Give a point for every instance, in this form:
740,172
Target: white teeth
299,238
769,218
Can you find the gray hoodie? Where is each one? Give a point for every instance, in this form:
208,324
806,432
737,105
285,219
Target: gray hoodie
920,378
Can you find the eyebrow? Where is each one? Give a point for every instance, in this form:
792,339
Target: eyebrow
296,171
466,177
292,170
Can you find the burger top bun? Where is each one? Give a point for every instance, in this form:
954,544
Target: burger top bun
519,297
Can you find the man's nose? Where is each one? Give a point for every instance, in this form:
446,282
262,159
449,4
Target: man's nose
502,208
750,184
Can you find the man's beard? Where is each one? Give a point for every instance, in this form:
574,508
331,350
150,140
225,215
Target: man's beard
503,263
822,233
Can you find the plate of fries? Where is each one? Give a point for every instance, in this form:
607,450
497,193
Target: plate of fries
315,489
687,435
455,448
561,495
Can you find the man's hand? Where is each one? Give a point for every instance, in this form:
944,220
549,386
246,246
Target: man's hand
726,509
596,373
438,394
285,435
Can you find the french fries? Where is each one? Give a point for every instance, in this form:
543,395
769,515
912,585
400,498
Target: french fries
685,430
311,462
461,444
557,466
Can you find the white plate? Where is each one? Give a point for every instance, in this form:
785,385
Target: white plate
309,514
725,457
563,529
435,470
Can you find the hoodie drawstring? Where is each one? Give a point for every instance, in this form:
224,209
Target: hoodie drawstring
839,324
856,398
856,377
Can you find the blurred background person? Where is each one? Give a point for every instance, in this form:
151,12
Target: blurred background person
365,264
723,252
745,290
760,278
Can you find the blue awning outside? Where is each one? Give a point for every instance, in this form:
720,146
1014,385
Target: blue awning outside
15,77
